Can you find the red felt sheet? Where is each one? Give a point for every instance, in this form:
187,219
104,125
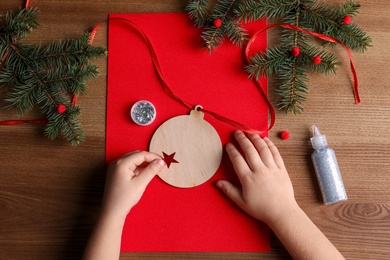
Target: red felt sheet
170,219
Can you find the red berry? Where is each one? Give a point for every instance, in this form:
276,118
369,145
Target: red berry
217,22
284,135
317,60
347,19
295,51
61,108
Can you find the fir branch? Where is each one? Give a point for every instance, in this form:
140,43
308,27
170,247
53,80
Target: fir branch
94,52
43,76
66,125
251,10
199,11
237,35
35,78
225,8
289,37
48,76
328,20
32,79
268,63
21,96
67,52
214,36
329,61
349,8
290,71
4,49
293,89
320,17
353,36
72,79
297,21
18,26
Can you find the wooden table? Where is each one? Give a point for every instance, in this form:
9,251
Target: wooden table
50,192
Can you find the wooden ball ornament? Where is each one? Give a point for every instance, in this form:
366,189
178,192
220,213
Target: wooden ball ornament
195,145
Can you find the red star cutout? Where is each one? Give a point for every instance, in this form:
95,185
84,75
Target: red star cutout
168,159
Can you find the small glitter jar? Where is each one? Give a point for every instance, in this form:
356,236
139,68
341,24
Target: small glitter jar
143,113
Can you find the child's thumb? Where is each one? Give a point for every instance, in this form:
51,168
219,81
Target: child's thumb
231,191
150,171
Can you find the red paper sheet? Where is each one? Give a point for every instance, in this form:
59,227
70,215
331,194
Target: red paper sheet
170,219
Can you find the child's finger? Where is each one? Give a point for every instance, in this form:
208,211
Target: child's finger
275,152
144,177
130,153
263,149
133,160
231,192
251,153
239,164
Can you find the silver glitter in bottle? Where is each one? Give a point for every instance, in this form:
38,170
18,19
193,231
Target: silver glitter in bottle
327,169
143,112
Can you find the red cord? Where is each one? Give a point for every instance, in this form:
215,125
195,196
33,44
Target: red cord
18,122
93,33
169,91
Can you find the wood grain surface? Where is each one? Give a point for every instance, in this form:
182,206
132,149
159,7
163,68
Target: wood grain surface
50,192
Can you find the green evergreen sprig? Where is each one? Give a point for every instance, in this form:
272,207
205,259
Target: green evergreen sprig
214,35
48,76
199,11
17,26
290,70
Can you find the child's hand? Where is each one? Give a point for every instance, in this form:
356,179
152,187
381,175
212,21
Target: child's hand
127,179
267,193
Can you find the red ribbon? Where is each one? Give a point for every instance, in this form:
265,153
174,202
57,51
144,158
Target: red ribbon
318,35
18,122
169,91
93,33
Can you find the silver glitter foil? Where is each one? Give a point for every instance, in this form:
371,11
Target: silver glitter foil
143,113
327,170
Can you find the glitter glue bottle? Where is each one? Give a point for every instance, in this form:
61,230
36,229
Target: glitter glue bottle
327,169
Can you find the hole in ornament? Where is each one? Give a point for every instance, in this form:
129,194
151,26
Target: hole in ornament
168,159
198,108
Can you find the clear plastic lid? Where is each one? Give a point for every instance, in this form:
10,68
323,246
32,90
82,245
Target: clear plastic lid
318,140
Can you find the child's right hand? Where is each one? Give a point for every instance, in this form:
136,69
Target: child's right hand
127,179
267,193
